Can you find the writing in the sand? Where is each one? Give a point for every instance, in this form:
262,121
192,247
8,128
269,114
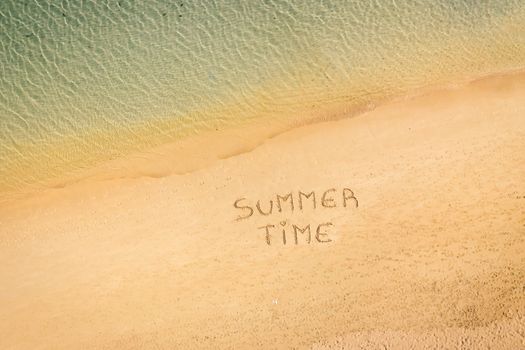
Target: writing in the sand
284,232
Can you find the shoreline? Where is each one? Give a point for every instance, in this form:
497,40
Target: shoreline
195,150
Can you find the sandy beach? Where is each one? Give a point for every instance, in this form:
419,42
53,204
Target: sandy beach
401,227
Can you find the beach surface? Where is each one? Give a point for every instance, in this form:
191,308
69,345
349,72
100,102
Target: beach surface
404,227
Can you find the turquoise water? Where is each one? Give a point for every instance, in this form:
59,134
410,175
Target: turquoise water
87,81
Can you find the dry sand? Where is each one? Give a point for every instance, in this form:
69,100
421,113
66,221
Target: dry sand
432,257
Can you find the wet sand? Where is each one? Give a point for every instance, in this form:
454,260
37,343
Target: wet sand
426,250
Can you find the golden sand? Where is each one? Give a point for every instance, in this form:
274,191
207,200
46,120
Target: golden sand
429,255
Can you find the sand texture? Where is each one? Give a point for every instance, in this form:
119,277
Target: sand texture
417,240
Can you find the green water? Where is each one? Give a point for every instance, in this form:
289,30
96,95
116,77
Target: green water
87,81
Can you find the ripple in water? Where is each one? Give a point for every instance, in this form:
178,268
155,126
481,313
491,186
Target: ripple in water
88,81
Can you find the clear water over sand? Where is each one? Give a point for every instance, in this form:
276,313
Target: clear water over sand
83,82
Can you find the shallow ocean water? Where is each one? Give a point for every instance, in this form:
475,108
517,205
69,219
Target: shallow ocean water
88,81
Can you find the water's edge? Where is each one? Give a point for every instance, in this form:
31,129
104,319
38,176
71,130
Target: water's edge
205,149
